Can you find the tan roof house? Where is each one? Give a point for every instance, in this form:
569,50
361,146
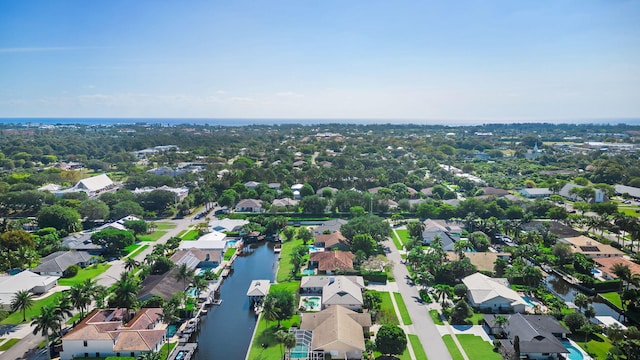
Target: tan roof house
342,291
102,333
591,248
492,294
337,332
328,262
606,266
333,241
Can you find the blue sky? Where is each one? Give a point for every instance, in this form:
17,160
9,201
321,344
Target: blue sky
444,61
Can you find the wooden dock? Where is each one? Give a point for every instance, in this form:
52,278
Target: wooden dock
183,351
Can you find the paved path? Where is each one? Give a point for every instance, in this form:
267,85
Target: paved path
423,325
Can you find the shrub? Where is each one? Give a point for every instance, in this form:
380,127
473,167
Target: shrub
71,271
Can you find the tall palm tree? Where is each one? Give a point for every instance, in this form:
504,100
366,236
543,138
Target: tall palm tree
623,272
269,309
22,301
81,295
280,335
184,274
46,324
581,300
460,247
501,322
200,284
126,291
64,308
169,315
289,342
100,295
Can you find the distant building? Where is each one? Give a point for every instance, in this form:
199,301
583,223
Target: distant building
250,206
566,193
591,248
533,154
533,193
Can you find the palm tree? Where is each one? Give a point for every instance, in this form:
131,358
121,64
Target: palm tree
269,309
100,295
126,290
460,247
581,300
200,284
22,300
441,294
130,263
501,322
289,342
46,323
169,315
81,295
281,335
64,308
623,272
184,274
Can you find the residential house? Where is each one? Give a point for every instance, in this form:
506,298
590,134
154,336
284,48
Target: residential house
492,294
249,205
488,190
566,193
92,186
449,233
605,265
591,248
329,226
107,332
227,225
321,191
539,335
332,241
24,281
313,285
534,193
251,185
333,333
55,264
163,285
483,261
214,240
634,192
202,258
344,292
82,242
329,262
286,202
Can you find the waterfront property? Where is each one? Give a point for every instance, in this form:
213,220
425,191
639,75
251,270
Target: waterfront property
335,333
591,248
605,265
492,294
258,290
112,332
539,336
327,262
332,241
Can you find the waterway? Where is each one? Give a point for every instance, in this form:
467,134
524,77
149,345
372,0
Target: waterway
226,331
567,293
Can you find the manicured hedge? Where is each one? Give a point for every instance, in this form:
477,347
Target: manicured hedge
375,276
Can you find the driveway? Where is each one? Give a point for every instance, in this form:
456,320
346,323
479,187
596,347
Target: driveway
423,325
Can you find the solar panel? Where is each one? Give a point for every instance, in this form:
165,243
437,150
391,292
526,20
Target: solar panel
589,248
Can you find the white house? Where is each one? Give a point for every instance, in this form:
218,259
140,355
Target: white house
107,332
342,291
566,193
492,294
24,281
211,241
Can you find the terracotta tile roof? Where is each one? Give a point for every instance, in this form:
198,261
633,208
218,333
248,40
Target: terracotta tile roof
607,265
333,260
332,239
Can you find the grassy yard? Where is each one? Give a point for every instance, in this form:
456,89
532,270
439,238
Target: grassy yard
16,317
265,335
166,349
138,251
131,248
284,265
417,347
435,315
404,313
396,241
475,318
598,345
7,345
89,272
631,211
614,297
453,349
476,348
404,356
387,311
291,286
73,319
229,253
190,235
153,236
404,235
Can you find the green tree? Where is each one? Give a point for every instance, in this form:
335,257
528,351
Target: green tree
59,217
297,257
391,340
283,304
46,324
313,204
137,226
22,301
113,240
125,292
574,321
304,234
93,210
460,312
184,274
373,225
364,243
17,239
126,208
130,263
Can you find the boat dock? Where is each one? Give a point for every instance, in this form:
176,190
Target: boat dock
183,351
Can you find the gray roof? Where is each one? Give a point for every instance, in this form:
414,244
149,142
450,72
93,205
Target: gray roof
59,261
535,332
447,240
622,189
330,225
164,285
80,241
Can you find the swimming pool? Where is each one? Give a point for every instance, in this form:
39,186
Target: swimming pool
299,352
172,329
232,243
574,353
313,249
528,301
310,303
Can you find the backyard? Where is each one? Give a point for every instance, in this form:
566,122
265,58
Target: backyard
264,334
89,272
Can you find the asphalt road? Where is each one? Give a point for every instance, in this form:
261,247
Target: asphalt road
423,325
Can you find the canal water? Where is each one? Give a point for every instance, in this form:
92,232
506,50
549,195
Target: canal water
568,293
226,331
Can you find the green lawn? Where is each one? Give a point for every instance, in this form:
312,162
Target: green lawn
291,286
404,235
476,348
396,241
453,349
387,311
404,313
153,236
405,355
83,274
435,315
16,317
73,319
190,235
138,251
284,265
229,253
264,335
631,211
131,248
417,347
8,344
598,345
167,347
614,297
475,318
